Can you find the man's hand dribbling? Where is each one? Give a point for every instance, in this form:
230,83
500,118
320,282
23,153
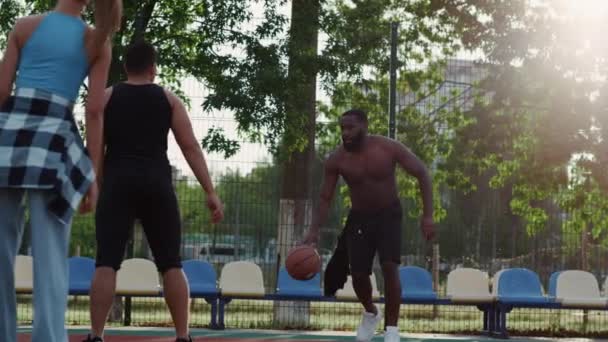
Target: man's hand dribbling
428,229
216,207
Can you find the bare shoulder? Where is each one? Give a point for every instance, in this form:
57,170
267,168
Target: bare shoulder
332,160
171,97
25,26
168,93
30,20
383,142
107,93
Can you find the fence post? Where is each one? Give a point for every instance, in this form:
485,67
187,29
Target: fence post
393,81
130,253
435,270
585,266
294,217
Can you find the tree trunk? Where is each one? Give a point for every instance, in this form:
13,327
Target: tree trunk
496,211
480,221
585,265
294,217
144,14
514,229
435,269
585,248
295,204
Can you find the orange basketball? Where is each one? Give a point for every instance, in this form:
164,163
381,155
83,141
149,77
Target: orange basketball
303,262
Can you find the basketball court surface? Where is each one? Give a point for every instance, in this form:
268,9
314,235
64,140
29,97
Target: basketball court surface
166,335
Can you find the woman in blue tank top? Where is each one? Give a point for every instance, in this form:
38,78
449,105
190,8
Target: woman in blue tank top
42,156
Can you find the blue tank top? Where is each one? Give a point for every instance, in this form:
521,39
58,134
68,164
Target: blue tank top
54,57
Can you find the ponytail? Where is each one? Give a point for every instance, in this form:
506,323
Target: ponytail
108,16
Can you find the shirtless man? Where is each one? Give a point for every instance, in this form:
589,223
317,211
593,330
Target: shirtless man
367,163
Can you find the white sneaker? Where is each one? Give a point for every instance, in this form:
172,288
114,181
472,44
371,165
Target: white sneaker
368,326
392,335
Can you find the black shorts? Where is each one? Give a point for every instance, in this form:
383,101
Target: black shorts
368,234
136,190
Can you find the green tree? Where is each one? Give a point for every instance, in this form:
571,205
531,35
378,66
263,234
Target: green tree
219,42
256,67
192,205
541,133
82,240
251,201
540,109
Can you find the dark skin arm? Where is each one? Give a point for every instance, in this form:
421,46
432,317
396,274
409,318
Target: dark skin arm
414,166
330,179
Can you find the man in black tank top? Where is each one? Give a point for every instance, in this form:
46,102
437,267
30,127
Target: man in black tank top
137,184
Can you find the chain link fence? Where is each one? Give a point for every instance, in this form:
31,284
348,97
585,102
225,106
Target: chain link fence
478,229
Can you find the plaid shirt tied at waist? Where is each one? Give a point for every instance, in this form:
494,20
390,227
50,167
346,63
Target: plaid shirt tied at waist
41,148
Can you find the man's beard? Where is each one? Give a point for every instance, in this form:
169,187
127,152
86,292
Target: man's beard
355,143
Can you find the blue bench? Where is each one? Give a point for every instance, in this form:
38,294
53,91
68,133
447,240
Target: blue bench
202,281
288,289
417,289
519,288
81,271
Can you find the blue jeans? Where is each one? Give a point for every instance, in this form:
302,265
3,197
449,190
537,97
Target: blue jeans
50,241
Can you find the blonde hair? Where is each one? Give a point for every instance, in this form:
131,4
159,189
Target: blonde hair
108,18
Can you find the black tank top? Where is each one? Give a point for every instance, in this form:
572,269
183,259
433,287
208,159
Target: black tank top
137,122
